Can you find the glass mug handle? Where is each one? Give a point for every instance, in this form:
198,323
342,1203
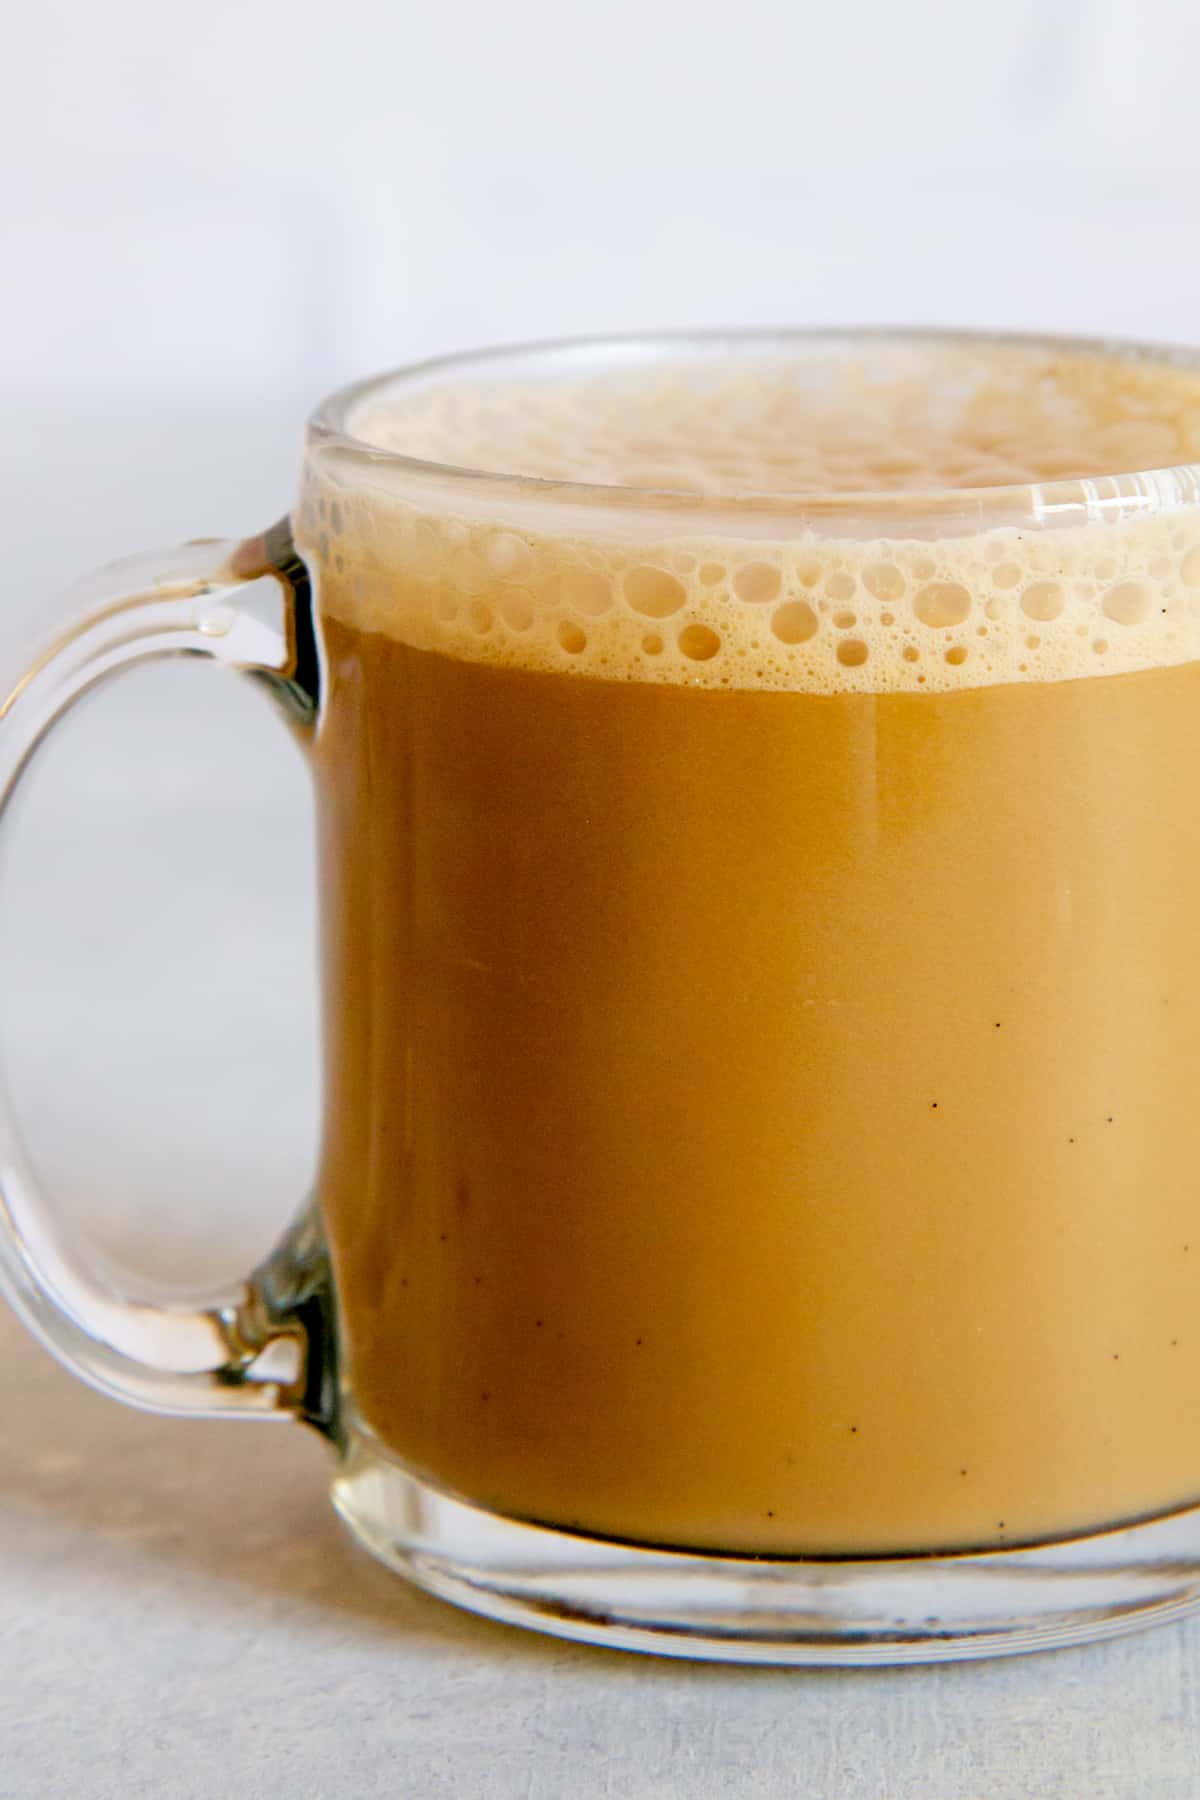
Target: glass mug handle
265,1350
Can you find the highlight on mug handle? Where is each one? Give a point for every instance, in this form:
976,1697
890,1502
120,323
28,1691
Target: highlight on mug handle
265,1349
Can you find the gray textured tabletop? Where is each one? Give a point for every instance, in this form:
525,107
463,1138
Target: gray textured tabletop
183,1617
180,1614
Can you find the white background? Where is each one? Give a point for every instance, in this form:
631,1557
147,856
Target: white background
248,199
212,213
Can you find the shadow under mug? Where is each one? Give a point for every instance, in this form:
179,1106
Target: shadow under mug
758,1194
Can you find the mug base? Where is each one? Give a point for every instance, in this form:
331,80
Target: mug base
792,1611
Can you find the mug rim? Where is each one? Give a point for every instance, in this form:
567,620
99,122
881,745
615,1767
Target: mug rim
1060,501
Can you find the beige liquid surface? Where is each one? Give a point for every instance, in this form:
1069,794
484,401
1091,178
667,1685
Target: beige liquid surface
761,1101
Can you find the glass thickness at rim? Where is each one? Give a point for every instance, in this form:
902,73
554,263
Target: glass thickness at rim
1074,501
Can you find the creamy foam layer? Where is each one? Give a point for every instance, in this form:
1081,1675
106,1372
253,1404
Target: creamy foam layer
618,598
884,416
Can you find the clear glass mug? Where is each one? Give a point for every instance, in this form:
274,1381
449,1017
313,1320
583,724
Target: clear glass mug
757,1211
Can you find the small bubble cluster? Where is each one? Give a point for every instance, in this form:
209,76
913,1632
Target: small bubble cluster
625,614
815,612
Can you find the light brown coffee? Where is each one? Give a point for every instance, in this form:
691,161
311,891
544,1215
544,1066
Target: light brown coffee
762,1003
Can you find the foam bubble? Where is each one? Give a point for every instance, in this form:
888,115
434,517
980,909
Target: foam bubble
700,643
1042,600
756,583
654,592
884,580
942,603
1127,602
794,622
